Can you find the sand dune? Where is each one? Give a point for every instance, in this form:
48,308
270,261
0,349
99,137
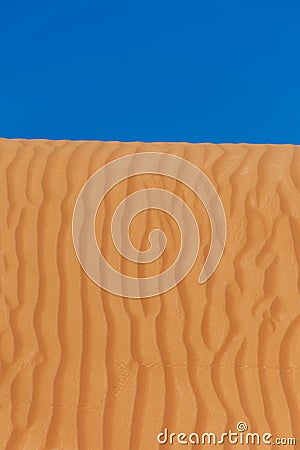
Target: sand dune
82,368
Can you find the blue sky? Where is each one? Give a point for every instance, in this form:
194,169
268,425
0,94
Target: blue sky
213,71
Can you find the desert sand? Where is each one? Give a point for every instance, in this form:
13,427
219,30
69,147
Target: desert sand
83,368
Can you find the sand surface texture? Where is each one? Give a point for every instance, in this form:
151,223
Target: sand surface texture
83,368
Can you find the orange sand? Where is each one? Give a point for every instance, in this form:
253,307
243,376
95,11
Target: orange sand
84,369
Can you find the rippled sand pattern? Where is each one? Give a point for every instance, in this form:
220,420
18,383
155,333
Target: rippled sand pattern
84,369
